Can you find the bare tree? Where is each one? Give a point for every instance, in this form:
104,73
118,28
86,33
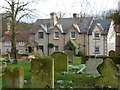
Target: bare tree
15,10
61,14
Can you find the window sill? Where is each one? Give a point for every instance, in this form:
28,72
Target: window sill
56,38
96,38
73,38
96,53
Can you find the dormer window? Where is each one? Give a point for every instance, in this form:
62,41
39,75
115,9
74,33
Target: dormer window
96,35
56,35
72,35
40,35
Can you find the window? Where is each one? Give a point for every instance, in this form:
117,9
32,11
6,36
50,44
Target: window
21,43
96,50
7,43
56,48
72,35
56,35
41,47
7,50
96,35
20,51
40,35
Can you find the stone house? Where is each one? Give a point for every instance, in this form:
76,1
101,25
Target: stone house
97,37
114,39
58,31
22,42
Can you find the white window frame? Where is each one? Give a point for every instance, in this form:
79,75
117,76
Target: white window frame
71,35
98,37
7,43
20,51
96,47
55,35
55,48
21,43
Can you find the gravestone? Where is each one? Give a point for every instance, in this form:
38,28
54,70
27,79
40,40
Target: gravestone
112,53
38,53
91,65
70,55
42,73
109,72
14,77
60,61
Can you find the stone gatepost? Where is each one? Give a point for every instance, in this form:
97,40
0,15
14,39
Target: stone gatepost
42,73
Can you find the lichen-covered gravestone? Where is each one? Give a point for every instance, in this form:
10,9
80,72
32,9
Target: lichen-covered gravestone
60,61
108,71
70,55
42,73
91,65
14,77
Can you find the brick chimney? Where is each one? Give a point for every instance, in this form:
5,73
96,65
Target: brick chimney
75,15
53,20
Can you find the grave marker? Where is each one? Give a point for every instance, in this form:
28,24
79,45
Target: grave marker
14,77
91,65
60,61
70,55
112,53
109,72
42,73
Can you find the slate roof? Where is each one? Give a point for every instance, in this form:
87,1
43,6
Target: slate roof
81,24
103,24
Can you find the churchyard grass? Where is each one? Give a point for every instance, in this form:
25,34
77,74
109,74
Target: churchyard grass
73,80
68,79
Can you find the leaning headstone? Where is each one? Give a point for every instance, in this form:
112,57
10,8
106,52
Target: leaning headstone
109,72
70,55
42,73
91,65
38,53
60,61
112,53
14,77
4,64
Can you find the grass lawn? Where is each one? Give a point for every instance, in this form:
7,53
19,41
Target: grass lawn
62,80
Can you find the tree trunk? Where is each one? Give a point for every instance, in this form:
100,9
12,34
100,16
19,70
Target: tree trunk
13,50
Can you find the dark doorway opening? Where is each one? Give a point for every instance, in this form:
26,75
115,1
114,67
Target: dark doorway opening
29,49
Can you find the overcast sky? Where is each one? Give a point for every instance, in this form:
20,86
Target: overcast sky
45,7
